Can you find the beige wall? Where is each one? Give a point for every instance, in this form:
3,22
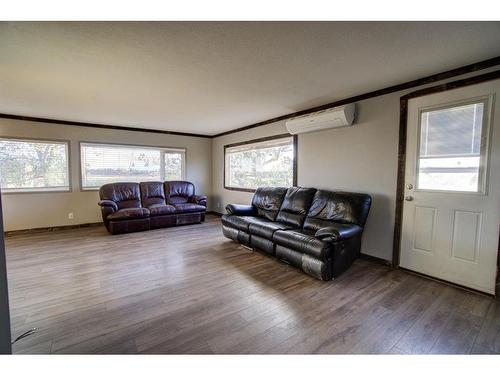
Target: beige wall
361,158
34,210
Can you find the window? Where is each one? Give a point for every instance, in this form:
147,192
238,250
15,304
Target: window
264,162
33,165
105,163
452,148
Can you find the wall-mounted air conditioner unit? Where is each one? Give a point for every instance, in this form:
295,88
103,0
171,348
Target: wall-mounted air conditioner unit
327,119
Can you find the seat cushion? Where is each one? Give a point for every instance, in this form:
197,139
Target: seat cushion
304,242
161,209
240,222
129,214
188,207
266,229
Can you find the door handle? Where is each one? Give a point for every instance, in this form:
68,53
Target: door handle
409,198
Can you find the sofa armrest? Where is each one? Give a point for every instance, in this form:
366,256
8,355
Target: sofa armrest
240,209
199,199
108,203
338,232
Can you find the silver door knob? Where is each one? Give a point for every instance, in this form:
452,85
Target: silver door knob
409,198
409,186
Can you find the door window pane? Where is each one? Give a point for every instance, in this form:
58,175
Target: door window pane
450,148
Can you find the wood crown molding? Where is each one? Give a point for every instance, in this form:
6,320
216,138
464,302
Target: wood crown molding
485,64
100,126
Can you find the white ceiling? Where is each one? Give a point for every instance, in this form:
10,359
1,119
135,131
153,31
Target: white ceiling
210,77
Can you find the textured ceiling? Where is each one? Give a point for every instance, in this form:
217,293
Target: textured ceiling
210,77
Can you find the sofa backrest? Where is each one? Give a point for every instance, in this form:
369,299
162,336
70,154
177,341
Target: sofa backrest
295,206
267,201
338,207
124,194
152,192
178,191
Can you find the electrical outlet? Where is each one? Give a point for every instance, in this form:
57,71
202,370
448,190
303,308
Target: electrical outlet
218,204
71,216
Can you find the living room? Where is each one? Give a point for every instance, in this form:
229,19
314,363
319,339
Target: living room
263,187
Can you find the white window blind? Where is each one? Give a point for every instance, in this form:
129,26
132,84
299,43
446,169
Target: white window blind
33,165
262,163
106,163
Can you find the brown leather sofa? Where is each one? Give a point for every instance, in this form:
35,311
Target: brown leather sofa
318,231
131,206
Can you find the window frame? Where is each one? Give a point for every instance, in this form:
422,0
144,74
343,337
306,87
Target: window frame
258,140
64,189
484,154
162,149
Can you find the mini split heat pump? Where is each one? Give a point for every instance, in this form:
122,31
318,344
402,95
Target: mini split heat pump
327,119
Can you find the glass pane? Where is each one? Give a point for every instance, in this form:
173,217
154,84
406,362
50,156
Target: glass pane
260,164
173,165
31,165
102,164
450,148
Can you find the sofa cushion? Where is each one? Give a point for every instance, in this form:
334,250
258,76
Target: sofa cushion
295,206
152,192
161,209
178,191
266,229
188,207
303,242
267,201
124,194
129,214
240,222
339,207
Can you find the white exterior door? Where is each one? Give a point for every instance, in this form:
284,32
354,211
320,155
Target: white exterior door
452,186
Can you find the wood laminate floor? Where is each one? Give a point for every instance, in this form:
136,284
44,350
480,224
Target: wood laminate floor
190,290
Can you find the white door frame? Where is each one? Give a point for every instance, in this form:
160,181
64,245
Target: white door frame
403,125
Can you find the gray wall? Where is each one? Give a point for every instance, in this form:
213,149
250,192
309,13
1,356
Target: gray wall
35,210
5,338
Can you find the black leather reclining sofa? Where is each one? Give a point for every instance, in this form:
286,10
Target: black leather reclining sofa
318,231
